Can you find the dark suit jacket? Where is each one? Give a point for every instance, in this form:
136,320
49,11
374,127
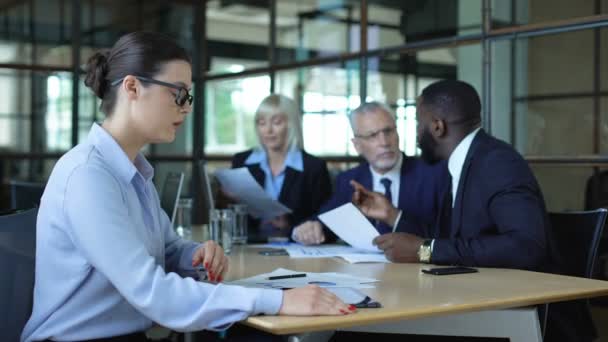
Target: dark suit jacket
302,192
499,217
499,220
419,190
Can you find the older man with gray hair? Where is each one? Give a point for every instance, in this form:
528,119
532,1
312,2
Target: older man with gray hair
413,187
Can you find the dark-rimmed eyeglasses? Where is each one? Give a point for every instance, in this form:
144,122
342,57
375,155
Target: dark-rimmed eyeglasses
373,136
181,97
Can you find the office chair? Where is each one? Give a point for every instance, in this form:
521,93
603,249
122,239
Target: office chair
577,237
171,192
17,260
25,195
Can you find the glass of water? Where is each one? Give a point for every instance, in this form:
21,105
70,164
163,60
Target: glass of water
239,236
183,218
221,227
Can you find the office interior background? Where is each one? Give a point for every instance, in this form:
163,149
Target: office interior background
541,67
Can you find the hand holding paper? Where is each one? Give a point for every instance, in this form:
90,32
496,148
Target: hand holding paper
241,184
351,226
374,204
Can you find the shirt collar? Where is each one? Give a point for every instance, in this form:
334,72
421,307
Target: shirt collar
293,159
392,174
116,157
456,160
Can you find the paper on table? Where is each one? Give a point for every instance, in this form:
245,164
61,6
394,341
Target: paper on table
348,253
330,279
361,258
351,226
348,295
241,184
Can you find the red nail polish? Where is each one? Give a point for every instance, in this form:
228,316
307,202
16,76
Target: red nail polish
219,279
206,265
343,312
352,307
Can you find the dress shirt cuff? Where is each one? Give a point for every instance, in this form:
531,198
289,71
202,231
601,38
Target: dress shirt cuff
397,220
293,234
268,302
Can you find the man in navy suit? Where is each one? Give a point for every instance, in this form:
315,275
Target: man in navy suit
410,186
498,217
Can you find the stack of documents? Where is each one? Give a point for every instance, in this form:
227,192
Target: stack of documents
352,227
350,254
241,184
327,280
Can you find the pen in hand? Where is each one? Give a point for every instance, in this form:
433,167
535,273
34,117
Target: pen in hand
297,275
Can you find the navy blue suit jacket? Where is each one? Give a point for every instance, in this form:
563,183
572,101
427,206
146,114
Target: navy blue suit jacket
419,190
302,192
499,217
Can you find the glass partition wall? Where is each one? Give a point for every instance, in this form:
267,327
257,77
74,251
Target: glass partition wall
540,66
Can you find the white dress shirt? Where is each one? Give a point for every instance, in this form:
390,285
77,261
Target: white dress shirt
394,175
455,164
108,262
456,161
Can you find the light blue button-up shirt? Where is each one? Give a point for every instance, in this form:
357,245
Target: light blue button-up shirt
274,184
108,262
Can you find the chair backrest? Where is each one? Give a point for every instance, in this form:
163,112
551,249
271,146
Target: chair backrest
25,195
207,201
172,189
17,260
577,235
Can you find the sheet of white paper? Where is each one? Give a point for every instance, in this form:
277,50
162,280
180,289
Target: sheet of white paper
351,226
322,251
349,254
241,184
348,295
360,258
321,279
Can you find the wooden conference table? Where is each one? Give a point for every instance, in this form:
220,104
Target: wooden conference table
413,302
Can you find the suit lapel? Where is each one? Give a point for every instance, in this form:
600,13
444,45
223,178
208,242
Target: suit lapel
257,174
286,189
365,178
457,209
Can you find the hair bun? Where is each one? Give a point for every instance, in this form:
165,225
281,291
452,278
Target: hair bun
96,69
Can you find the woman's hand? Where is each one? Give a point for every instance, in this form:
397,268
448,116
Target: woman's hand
313,301
211,256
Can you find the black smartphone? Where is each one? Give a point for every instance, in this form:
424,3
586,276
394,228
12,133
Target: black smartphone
449,270
273,252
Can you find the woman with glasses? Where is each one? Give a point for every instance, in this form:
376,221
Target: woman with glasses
287,173
108,264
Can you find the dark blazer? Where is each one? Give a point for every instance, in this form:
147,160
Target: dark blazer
499,219
302,192
419,189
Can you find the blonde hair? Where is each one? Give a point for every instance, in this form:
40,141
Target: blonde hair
280,104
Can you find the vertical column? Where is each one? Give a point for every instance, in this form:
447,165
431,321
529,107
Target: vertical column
75,68
199,67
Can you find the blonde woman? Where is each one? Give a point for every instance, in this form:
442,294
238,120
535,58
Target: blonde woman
287,173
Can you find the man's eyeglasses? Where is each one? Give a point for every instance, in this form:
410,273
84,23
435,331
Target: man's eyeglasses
181,97
387,132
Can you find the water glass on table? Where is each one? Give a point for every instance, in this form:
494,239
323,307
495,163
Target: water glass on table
239,235
221,227
183,218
